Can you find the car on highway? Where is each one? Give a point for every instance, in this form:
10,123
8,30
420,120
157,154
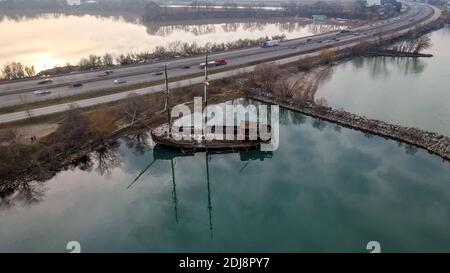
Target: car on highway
106,73
345,31
46,81
41,92
158,73
186,66
119,81
270,43
77,85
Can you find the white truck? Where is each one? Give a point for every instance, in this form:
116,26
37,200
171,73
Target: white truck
214,63
270,43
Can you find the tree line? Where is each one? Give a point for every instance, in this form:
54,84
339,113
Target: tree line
16,70
204,10
151,11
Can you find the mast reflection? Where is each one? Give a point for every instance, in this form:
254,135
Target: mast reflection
165,153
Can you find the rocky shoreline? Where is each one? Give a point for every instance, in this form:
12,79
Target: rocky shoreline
432,142
394,54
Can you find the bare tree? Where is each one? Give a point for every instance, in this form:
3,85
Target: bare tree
265,76
133,107
414,44
108,60
288,89
30,71
327,56
13,71
422,43
102,124
306,63
75,126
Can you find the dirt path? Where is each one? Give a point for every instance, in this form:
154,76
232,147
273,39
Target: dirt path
24,134
310,81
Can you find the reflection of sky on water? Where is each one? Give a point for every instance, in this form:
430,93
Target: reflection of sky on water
49,40
411,92
327,188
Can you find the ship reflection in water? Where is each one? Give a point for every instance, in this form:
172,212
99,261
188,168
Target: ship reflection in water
161,152
325,189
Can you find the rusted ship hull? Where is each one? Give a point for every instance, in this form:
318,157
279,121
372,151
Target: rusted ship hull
160,136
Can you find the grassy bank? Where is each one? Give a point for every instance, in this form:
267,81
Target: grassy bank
82,131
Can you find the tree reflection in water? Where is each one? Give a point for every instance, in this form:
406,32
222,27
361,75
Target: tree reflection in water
319,124
24,193
85,164
410,149
139,142
107,159
290,117
379,66
28,192
338,128
164,29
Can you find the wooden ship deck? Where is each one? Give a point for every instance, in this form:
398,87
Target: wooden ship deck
243,137
237,139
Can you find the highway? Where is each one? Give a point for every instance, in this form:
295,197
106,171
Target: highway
11,93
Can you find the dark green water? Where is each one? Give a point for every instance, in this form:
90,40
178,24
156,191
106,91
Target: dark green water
326,189
411,92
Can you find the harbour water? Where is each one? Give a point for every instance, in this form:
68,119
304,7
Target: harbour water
325,189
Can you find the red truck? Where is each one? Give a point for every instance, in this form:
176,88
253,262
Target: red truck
221,62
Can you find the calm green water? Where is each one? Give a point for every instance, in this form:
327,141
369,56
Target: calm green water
404,91
326,189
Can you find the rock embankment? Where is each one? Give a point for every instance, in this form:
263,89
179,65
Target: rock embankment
393,53
433,142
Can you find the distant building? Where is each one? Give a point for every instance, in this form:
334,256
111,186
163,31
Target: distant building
319,17
73,2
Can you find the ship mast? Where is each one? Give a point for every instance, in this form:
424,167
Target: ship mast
167,106
209,196
174,191
205,95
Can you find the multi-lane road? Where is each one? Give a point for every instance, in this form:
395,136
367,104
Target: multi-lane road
13,93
